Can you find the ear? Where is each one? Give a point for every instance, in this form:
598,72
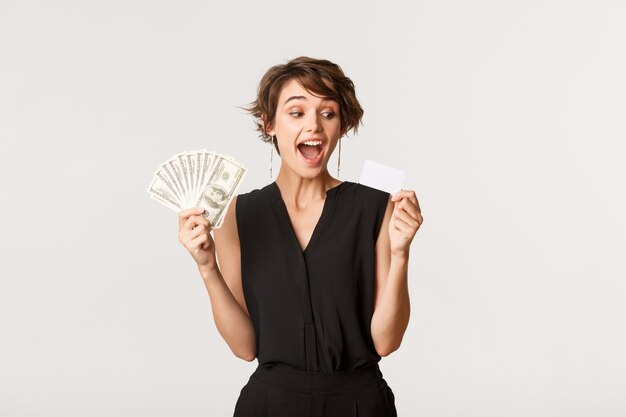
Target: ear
267,127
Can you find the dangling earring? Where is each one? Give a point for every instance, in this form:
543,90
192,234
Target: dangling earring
339,158
272,154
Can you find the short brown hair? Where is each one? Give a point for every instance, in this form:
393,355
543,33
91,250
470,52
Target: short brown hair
319,77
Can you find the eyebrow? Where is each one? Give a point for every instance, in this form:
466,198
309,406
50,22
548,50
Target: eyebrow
301,98
294,98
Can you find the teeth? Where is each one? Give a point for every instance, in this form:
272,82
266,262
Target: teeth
313,142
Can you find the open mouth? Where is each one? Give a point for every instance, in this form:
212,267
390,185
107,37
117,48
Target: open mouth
310,152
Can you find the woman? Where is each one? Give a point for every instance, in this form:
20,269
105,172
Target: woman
312,274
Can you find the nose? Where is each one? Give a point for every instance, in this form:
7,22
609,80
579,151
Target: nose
313,123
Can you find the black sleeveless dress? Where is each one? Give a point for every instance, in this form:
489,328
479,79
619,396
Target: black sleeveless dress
311,310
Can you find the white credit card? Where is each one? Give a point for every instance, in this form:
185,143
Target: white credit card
382,177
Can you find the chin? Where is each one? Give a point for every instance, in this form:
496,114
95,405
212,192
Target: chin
311,173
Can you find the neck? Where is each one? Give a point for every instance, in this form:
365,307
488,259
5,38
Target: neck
299,191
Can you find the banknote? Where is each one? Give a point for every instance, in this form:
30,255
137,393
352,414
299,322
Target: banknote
219,188
198,178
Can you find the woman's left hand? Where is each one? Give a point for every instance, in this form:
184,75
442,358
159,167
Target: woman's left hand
406,219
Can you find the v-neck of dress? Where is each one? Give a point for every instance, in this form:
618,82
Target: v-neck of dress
279,204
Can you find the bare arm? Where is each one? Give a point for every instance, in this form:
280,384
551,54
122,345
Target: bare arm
392,308
391,295
222,282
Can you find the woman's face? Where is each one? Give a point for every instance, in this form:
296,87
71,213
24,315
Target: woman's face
302,117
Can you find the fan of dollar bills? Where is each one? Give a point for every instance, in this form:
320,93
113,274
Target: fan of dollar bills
198,178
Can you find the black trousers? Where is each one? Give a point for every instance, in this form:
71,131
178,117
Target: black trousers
281,392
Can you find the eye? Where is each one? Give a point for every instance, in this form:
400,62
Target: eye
329,114
296,113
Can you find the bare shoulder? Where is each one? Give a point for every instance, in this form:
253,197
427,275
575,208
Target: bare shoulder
228,253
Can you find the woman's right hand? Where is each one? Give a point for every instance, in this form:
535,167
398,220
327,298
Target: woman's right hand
194,234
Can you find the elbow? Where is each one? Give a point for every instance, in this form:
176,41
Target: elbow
388,340
385,347
383,353
246,356
249,358
387,351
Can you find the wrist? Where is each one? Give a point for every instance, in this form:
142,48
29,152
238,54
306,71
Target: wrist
208,272
400,256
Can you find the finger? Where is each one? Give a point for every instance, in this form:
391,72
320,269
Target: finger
199,241
402,193
190,224
403,227
183,214
194,220
197,231
408,206
410,196
417,203
404,216
413,222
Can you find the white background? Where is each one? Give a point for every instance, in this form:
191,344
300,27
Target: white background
508,117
